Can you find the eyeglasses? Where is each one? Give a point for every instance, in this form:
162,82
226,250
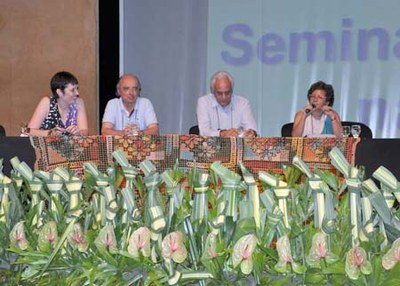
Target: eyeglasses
317,97
74,88
223,93
133,88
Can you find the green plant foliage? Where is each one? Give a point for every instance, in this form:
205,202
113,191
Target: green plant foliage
134,226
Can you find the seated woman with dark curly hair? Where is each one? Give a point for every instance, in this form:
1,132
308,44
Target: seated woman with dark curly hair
318,118
62,113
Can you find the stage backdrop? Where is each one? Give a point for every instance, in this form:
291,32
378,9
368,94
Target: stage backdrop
274,49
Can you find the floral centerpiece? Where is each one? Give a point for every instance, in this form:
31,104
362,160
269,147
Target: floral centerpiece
135,226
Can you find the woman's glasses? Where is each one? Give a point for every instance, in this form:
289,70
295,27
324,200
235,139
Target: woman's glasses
317,97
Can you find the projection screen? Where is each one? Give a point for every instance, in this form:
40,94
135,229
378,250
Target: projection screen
274,49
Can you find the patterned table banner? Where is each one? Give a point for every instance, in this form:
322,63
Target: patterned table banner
261,153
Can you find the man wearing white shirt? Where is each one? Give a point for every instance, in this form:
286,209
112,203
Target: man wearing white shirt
129,114
222,113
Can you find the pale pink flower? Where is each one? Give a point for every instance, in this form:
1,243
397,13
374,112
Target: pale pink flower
285,257
283,248
77,238
243,251
356,263
106,239
173,247
48,236
390,259
139,242
319,250
210,251
17,236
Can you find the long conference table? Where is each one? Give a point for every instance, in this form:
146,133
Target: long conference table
370,153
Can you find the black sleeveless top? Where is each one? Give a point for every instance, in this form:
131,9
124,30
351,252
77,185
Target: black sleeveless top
53,119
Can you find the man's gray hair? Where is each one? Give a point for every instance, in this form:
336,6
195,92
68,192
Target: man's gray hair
218,75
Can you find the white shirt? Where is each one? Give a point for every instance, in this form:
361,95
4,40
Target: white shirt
143,114
212,117
313,126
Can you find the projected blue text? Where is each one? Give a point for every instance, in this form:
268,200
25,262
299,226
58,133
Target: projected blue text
271,48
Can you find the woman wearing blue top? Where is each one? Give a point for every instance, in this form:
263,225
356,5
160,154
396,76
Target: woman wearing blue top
318,118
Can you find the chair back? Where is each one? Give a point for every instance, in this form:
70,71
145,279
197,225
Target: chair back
2,131
286,130
194,130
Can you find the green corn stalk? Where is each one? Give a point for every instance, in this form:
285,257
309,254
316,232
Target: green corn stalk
201,183
297,162
128,193
366,208
172,179
147,167
6,181
54,185
111,204
253,194
378,201
230,188
319,201
388,180
354,190
281,192
339,162
74,187
130,203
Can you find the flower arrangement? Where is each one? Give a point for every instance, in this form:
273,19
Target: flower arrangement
134,226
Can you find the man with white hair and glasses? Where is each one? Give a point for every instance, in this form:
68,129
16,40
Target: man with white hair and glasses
223,113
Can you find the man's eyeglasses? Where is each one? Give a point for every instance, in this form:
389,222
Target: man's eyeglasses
223,93
133,88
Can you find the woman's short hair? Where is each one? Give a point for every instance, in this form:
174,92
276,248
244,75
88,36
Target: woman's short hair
329,92
60,81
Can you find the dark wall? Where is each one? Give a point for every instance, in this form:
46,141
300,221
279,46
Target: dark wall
108,52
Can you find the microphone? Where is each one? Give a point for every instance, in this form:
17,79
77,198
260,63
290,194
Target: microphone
308,110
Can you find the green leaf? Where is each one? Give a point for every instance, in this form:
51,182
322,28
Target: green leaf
379,203
243,227
328,177
336,268
292,175
315,279
229,229
392,276
59,244
298,268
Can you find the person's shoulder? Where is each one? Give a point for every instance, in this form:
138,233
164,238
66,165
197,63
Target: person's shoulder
240,97
45,101
241,100
113,101
298,113
205,97
79,100
144,100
